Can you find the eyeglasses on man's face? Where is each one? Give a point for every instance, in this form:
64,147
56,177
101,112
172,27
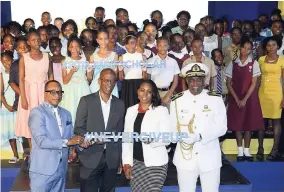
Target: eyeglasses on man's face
53,92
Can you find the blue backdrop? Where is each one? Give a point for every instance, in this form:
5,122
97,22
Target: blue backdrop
243,10
5,12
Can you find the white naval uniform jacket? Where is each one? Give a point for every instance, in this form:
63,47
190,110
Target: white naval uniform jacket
210,121
155,120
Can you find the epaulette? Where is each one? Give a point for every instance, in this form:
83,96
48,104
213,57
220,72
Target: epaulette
214,93
174,97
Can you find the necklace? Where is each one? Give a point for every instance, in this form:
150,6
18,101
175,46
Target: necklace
271,61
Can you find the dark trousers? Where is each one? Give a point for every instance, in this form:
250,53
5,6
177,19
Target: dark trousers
101,178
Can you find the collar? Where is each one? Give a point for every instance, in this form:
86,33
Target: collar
158,57
151,45
141,110
177,55
238,60
233,45
191,53
102,101
50,106
204,91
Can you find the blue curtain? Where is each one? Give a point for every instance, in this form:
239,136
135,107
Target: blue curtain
243,10
5,12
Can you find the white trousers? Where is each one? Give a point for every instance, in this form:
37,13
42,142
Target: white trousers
210,180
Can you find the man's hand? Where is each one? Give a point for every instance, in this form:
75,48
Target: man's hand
192,138
88,143
166,99
85,144
76,140
127,171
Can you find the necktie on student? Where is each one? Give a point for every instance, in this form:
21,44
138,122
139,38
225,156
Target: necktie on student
219,79
235,53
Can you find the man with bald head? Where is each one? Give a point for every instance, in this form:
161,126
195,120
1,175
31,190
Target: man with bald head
100,112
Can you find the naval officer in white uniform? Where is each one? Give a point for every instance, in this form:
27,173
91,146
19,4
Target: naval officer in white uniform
202,114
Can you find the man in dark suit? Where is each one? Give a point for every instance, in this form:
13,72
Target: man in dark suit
100,112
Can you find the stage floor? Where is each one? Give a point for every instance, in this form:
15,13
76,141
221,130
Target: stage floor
231,179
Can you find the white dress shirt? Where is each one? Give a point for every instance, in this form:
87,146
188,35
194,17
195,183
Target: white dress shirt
105,108
163,75
56,114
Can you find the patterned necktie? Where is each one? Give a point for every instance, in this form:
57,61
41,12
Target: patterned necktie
235,53
219,80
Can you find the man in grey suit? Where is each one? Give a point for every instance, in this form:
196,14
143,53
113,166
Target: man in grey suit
51,129
100,112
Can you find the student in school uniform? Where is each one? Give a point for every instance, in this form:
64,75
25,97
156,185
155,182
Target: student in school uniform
220,80
244,102
179,53
198,56
183,18
165,71
151,29
131,73
43,33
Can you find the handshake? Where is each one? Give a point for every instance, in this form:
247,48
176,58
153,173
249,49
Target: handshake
82,142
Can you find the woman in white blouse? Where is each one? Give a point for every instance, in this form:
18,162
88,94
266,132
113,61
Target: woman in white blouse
146,163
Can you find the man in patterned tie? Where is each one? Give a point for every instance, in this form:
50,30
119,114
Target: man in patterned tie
51,129
218,58
232,51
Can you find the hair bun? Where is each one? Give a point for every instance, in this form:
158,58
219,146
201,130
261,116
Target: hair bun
146,22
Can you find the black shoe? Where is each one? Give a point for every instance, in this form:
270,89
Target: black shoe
259,155
273,155
240,158
248,158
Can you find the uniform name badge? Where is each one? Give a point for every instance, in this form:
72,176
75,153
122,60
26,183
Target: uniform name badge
206,109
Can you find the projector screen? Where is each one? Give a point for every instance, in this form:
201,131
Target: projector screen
80,10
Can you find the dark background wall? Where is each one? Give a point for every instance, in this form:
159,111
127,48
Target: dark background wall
240,9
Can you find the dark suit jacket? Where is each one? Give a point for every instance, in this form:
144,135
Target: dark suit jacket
89,118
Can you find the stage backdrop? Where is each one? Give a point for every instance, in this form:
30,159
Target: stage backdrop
243,10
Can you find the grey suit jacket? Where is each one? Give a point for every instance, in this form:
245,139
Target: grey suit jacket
89,118
47,141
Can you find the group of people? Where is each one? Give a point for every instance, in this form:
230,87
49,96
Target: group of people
202,70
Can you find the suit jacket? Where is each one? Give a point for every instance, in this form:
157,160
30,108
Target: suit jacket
89,118
156,120
47,141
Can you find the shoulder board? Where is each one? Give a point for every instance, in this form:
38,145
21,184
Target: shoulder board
214,93
174,97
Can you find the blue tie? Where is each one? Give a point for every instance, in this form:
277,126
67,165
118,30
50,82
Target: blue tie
219,80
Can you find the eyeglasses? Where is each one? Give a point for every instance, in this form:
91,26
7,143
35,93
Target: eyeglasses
53,92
